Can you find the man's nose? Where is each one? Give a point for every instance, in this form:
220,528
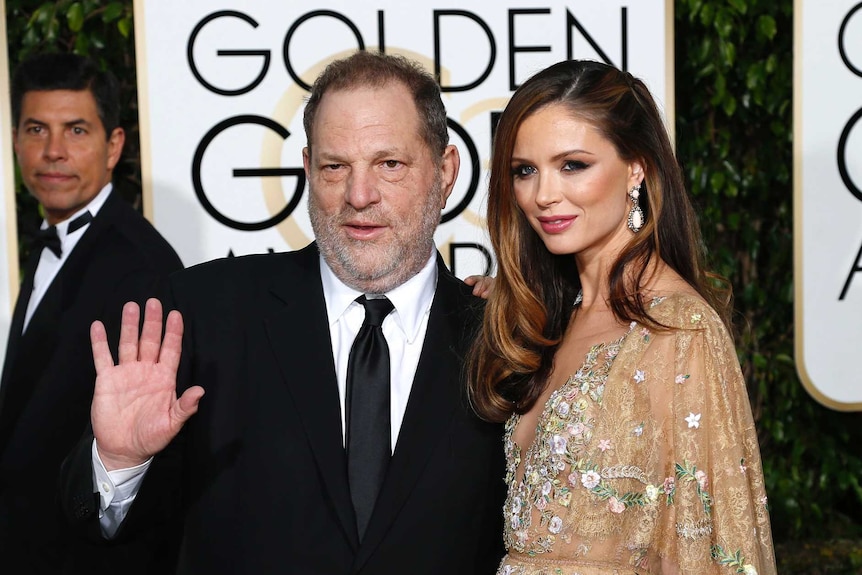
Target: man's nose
362,188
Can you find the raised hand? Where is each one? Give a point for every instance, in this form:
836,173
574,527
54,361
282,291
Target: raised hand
135,411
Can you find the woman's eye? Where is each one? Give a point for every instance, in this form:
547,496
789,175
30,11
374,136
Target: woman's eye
523,170
575,166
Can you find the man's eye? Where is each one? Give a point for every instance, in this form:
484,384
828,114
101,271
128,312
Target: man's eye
391,164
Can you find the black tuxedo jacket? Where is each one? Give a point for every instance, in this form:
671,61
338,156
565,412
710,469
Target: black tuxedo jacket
48,375
261,468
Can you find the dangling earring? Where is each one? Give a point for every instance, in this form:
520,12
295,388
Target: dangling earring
636,214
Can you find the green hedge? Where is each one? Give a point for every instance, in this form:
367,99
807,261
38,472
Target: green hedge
734,79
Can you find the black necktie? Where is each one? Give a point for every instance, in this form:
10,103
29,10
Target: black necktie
48,238
368,427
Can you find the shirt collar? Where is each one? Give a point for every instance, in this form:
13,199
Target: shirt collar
93,207
412,299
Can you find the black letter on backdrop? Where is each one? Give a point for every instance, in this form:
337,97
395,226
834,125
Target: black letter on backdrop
437,66
457,245
191,58
842,155
572,21
299,173
513,48
854,269
474,173
841,51
293,28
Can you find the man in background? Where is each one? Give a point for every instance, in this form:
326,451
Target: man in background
93,253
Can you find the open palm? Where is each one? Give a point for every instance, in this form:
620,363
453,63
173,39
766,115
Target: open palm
135,411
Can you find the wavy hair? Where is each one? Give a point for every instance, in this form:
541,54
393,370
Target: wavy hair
531,304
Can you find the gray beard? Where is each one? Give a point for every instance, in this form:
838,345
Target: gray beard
383,267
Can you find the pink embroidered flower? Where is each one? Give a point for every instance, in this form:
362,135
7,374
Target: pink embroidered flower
763,500
555,525
680,378
639,376
616,505
576,429
702,479
669,485
541,504
574,478
604,444
590,479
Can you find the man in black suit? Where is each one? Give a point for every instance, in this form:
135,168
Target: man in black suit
280,470
94,252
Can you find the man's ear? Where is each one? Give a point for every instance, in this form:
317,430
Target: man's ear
449,167
115,146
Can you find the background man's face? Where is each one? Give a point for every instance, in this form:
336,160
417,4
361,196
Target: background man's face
62,150
376,190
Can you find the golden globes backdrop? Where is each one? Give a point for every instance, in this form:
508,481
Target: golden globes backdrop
222,88
9,238
828,199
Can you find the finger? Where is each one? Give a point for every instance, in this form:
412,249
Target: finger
101,352
128,349
472,281
187,405
172,345
151,333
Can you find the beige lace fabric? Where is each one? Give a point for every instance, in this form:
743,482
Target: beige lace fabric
646,461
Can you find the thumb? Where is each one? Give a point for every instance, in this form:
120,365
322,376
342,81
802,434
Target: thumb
187,405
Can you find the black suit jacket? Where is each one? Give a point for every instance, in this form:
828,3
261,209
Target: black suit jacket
48,375
261,468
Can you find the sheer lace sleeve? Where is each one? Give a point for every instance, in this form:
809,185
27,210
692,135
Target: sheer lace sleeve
714,518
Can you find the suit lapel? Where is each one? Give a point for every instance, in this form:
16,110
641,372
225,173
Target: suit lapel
299,335
434,397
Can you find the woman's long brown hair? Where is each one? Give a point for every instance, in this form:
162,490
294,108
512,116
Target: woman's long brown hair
531,303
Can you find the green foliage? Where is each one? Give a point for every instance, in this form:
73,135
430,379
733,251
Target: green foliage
734,80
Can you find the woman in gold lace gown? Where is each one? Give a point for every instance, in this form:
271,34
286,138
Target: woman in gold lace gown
630,442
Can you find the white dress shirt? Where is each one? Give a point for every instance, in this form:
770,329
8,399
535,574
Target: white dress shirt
49,264
404,329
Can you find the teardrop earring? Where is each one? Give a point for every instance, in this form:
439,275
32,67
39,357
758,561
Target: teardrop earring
636,214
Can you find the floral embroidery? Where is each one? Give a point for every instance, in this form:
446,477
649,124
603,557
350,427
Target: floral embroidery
616,505
590,479
564,433
585,451
693,420
689,472
669,489
723,557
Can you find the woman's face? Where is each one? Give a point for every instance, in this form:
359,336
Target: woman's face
571,184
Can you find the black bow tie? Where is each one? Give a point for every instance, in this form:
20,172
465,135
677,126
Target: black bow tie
48,238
